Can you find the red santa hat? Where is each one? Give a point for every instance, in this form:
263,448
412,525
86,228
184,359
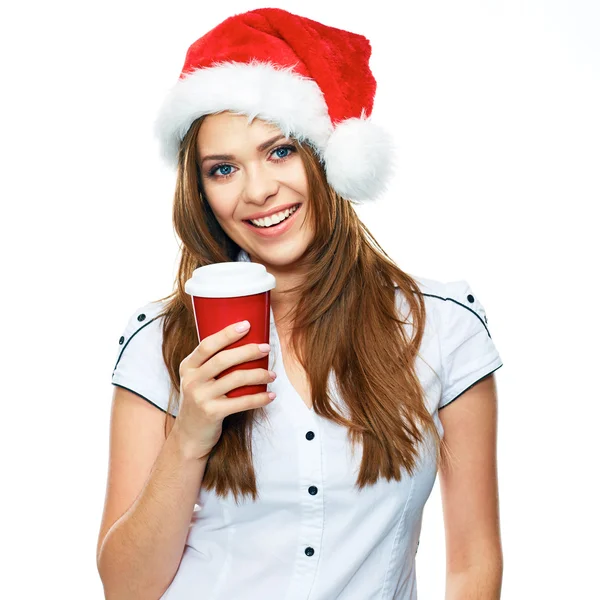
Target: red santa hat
311,80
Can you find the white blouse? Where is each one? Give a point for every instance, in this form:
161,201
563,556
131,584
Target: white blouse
312,535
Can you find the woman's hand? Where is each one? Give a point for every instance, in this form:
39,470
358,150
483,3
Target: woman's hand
204,404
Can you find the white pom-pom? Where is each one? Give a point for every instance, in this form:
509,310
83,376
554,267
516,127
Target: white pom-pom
359,159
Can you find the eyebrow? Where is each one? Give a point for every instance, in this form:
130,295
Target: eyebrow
260,148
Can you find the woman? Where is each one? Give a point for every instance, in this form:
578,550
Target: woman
317,493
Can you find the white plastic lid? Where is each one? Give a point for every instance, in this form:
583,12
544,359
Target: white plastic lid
229,279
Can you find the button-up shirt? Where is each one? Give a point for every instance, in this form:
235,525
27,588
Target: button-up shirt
312,535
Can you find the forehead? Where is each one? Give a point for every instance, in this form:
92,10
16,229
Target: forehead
226,128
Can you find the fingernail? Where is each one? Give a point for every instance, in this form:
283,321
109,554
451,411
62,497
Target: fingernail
264,347
242,326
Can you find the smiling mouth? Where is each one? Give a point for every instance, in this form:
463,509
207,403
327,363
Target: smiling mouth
294,208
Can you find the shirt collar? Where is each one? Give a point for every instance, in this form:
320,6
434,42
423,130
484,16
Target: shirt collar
242,256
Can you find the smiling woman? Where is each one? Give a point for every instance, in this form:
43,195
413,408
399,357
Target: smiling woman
365,354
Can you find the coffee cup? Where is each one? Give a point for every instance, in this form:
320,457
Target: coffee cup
226,293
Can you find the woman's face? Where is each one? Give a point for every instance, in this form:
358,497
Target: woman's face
251,169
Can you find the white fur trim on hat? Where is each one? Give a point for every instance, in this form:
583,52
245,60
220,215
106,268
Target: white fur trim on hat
276,94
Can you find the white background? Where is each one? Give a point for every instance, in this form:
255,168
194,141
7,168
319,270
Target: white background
494,106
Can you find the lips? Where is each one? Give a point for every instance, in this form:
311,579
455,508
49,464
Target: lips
275,230
291,206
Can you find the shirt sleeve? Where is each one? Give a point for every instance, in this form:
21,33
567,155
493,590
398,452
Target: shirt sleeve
468,352
140,367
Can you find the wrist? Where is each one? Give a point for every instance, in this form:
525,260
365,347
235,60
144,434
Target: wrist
186,448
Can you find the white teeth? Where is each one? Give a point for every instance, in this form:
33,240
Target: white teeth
274,219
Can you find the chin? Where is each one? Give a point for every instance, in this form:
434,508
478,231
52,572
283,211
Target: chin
284,254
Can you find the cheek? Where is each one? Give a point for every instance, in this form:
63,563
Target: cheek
221,200
222,211
297,180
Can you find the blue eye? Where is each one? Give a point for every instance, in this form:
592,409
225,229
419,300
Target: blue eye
224,167
221,174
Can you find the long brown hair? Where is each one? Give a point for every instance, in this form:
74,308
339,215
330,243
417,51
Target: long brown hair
346,319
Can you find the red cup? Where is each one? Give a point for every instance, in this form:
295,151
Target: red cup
229,292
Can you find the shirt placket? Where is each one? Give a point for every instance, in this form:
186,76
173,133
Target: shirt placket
310,488
311,499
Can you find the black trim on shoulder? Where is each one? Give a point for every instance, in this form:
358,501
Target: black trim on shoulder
131,337
463,305
143,397
468,388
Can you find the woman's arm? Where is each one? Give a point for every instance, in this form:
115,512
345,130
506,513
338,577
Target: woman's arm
469,490
139,552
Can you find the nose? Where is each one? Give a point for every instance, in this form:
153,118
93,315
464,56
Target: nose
259,184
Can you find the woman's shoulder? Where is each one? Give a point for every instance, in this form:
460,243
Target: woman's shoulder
151,310
453,309
436,291
449,305
432,290
145,316
429,287
139,365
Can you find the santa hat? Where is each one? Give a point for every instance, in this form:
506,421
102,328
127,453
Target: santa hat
311,80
